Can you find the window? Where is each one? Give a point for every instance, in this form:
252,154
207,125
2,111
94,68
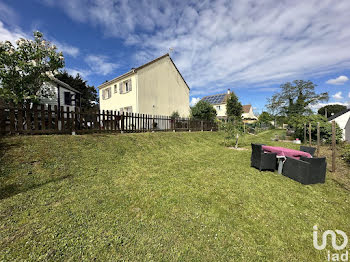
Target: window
67,98
218,107
125,86
127,109
115,89
106,93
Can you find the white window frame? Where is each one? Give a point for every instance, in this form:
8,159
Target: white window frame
107,93
115,88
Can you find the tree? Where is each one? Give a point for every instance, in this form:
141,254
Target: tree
88,93
174,115
265,117
233,106
25,67
203,110
296,98
331,110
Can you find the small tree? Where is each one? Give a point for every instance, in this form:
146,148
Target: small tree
233,128
233,106
203,110
265,118
25,67
174,115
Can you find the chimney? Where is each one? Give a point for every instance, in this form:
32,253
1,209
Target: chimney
228,91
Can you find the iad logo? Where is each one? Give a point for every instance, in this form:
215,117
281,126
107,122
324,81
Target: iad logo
335,256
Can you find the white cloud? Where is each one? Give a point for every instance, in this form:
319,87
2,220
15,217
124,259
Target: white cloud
10,35
74,71
99,64
319,105
340,80
194,101
221,43
338,95
67,49
349,95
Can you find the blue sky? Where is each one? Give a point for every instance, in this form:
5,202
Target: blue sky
250,47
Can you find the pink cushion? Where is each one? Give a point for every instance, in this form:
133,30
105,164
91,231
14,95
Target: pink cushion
287,152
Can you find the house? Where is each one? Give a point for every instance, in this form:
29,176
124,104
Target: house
219,103
343,121
248,114
61,94
155,88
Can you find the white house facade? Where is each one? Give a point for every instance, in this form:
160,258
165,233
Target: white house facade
155,88
343,121
61,94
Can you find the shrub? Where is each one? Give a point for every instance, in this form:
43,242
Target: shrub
233,128
346,153
297,123
203,111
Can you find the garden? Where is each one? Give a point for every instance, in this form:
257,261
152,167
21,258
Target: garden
159,196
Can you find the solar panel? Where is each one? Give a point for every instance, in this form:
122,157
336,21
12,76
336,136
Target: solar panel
215,99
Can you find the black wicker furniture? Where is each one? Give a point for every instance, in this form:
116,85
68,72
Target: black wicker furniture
310,150
306,170
261,160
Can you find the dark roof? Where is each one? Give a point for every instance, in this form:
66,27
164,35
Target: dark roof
338,114
63,84
134,70
215,99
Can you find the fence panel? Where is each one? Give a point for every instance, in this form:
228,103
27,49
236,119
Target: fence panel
34,119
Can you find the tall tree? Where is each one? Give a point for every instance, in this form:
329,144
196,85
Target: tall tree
330,110
296,98
233,106
25,67
265,117
88,93
203,111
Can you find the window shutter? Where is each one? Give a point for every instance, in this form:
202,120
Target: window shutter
120,88
67,98
130,88
103,94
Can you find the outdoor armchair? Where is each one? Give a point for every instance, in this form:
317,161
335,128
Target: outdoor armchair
306,170
261,160
310,150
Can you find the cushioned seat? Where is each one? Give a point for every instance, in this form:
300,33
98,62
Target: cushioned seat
306,170
310,150
261,160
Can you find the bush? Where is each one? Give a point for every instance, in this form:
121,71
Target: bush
346,153
297,123
203,111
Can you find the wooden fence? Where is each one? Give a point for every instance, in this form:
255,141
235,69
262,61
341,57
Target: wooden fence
53,120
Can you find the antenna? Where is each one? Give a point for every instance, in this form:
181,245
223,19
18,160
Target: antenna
171,50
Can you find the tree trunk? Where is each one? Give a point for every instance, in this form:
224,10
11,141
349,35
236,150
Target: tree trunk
236,145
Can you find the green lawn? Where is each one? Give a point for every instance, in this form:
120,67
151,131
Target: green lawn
157,197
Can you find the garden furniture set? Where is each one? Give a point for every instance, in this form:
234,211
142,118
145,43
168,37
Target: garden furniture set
299,165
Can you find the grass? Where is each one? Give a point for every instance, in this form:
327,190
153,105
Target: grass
157,197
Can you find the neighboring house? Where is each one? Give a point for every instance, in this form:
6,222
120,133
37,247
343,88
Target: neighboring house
62,94
343,121
155,88
248,114
219,103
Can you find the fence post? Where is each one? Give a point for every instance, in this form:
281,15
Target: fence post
202,125
56,117
36,124
305,133
49,117
20,118
122,122
152,122
28,118
310,134
333,146
63,126
318,139
42,117
2,121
